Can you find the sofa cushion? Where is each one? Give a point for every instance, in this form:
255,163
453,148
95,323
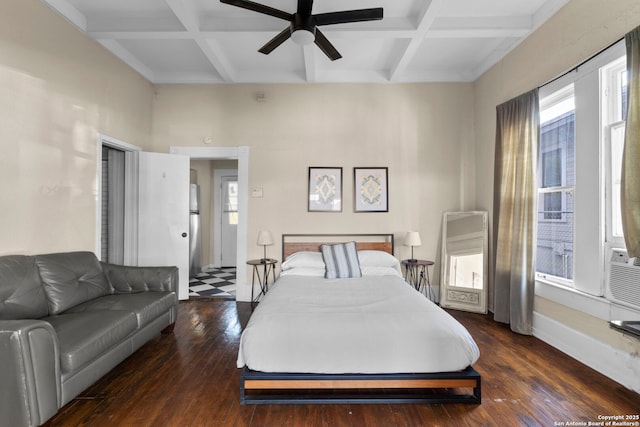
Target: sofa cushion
129,279
85,336
21,292
147,306
71,278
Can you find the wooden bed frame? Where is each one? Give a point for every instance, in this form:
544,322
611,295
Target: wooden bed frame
284,388
292,243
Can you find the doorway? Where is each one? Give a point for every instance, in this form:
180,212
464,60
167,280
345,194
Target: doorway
241,155
116,211
112,205
217,182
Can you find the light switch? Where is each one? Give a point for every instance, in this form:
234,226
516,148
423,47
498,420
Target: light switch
256,192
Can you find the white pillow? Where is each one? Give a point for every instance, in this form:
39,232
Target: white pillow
303,271
305,259
379,271
378,259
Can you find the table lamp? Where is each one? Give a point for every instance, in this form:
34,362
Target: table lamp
265,239
412,239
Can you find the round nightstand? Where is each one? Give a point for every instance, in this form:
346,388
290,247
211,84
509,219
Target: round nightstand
268,267
416,273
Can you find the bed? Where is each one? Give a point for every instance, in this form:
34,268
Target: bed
366,338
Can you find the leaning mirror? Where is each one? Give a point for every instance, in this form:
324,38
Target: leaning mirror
464,273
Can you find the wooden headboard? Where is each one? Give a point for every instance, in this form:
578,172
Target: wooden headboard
292,243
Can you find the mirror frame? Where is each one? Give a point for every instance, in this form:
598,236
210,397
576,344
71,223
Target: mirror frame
466,299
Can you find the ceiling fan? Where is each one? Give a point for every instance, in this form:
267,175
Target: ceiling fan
303,25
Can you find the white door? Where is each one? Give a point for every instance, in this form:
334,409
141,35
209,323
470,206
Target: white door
229,221
163,211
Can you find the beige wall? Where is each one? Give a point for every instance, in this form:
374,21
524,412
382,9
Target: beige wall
575,33
58,89
422,132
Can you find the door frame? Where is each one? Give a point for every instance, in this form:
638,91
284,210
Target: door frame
216,239
241,154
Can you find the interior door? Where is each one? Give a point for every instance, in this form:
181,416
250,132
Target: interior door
163,213
229,218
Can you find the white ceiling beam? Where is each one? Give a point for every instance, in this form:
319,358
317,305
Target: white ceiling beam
185,13
142,35
309,55
371,34
216,56
189,77
188,16
427,17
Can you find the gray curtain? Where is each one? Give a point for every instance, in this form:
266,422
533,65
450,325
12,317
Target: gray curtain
514,210
630,190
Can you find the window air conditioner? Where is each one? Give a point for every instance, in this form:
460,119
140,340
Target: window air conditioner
624,279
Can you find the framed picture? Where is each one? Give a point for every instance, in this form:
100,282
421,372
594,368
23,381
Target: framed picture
325,189
371,189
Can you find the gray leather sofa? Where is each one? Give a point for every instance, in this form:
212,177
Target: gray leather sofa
66,319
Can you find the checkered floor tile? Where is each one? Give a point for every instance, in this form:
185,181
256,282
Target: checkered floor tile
214,283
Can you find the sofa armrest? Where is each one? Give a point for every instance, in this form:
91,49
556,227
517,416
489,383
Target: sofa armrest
128,279
30,383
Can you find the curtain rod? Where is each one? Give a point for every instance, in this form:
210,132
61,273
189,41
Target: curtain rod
581,64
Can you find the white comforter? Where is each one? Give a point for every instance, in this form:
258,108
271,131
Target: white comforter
376,324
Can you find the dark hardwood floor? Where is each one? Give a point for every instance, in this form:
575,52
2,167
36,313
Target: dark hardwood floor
189,378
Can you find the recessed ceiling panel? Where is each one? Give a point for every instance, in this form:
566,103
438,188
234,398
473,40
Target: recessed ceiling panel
127,15
361,54
490,7
169,56
451,53
241,50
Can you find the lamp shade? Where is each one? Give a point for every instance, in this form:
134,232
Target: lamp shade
412,238
264,238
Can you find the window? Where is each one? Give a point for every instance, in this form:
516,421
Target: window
580,152
230,200
614,108
556,183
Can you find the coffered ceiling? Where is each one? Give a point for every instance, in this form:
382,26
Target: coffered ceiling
205,41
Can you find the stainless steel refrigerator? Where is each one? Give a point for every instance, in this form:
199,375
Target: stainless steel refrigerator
195,265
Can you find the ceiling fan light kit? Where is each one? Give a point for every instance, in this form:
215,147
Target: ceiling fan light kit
303,31
303,25
303,37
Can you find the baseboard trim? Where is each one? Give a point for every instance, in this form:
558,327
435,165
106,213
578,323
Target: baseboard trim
620,366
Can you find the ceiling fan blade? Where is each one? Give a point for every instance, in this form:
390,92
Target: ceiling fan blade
348,16
304,7
276,41
326,46
260,8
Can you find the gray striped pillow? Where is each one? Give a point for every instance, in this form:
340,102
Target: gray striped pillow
341,260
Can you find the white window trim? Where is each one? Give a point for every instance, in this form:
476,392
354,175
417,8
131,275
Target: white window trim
589,246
